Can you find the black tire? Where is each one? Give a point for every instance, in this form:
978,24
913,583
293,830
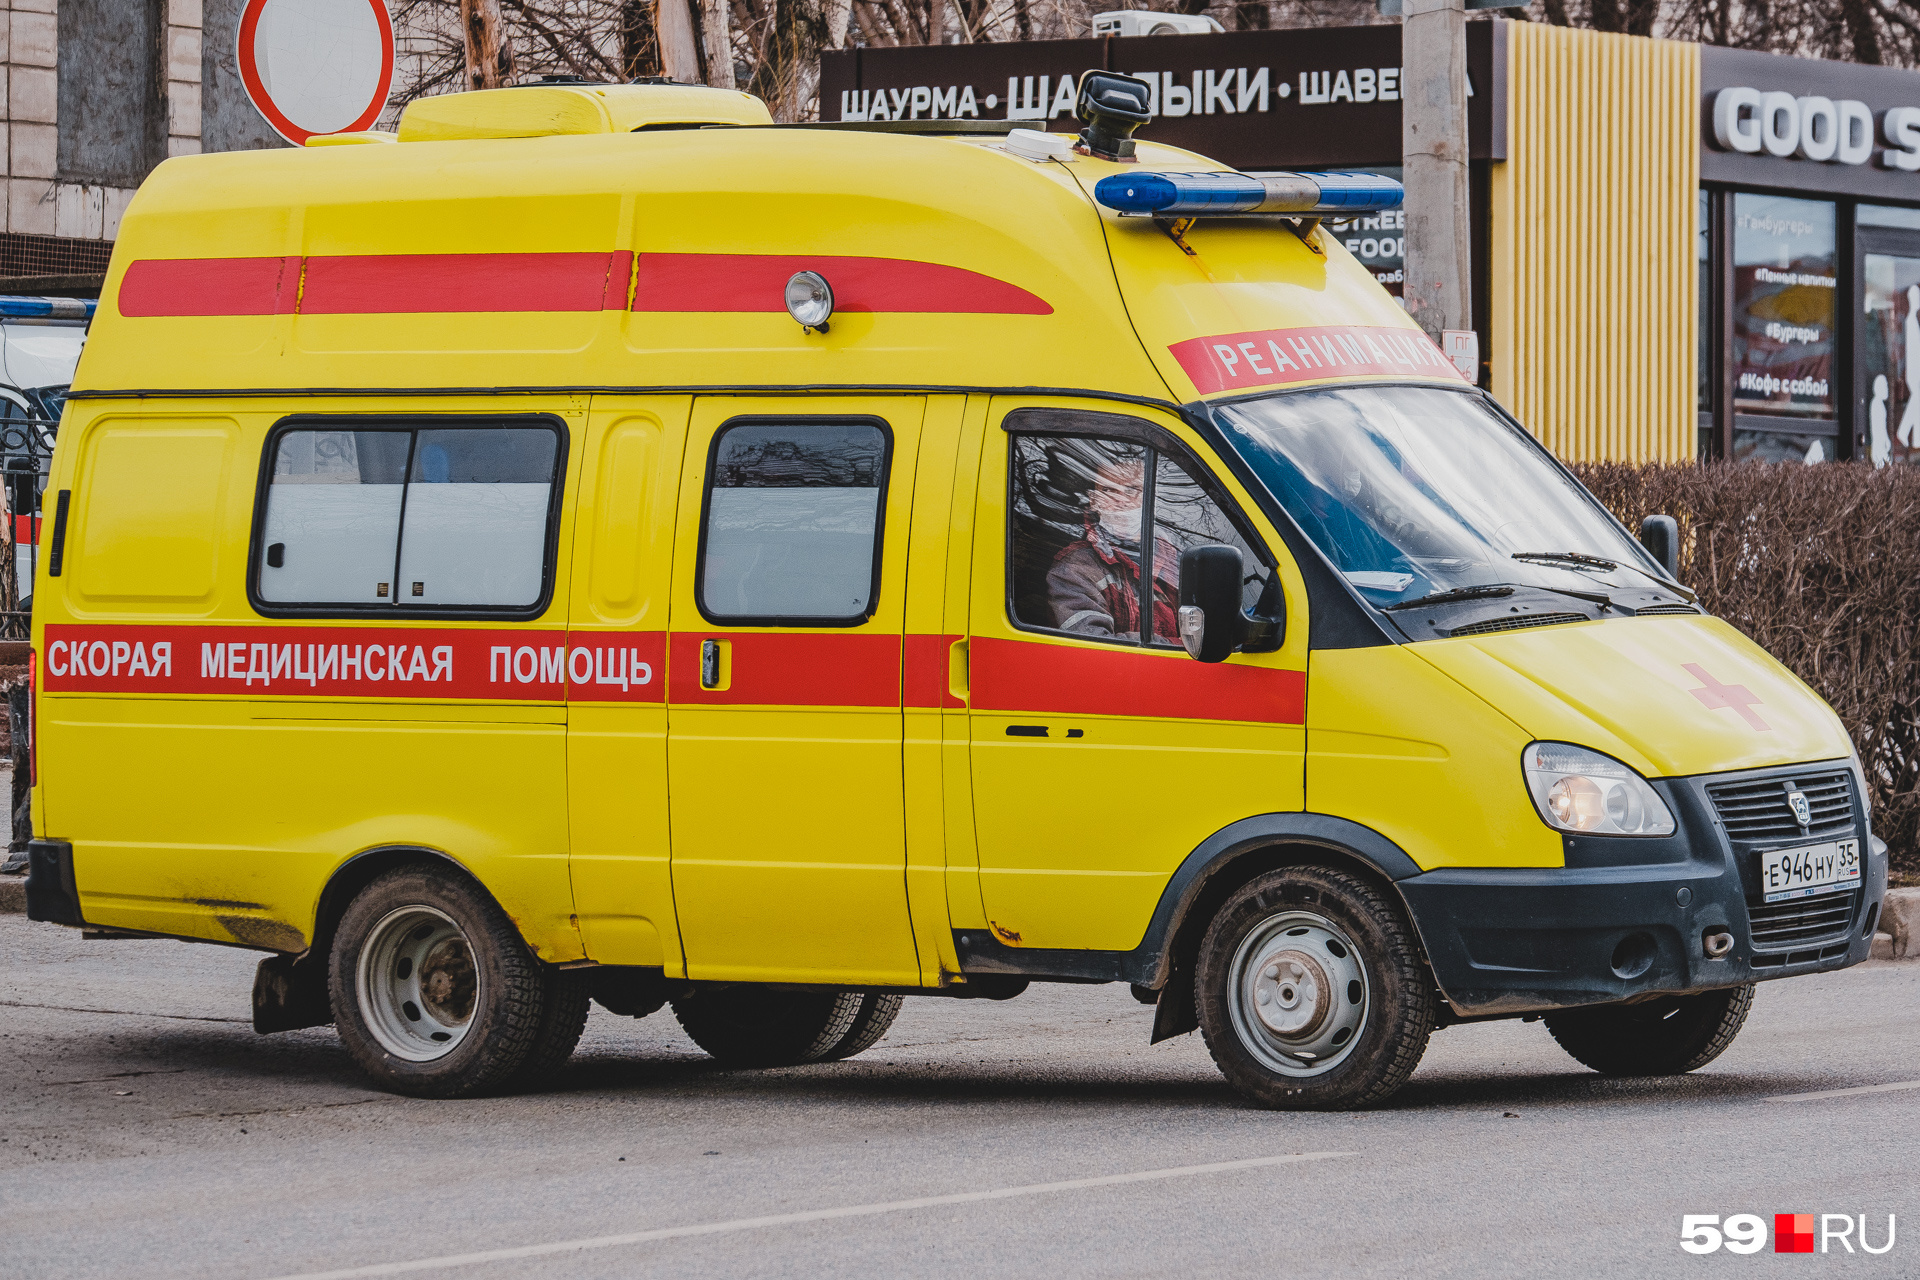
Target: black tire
1666,1037
514,1006
562,1022
1343,952
763,1027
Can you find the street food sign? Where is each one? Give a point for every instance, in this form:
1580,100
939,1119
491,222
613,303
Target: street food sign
1295,99
314,67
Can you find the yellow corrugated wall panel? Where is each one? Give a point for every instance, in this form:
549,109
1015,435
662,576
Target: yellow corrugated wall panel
1595,303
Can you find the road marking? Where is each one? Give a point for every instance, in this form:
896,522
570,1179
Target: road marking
1846,1093
810,1215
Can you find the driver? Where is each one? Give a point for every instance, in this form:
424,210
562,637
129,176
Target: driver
1093,588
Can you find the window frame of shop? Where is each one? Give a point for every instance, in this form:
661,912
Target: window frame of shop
1852,242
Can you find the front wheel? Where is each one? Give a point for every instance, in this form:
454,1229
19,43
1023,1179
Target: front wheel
1312,992
1665,1037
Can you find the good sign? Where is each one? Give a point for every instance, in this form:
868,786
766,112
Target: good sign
1824,130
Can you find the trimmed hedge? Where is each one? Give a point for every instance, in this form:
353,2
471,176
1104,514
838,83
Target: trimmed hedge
1821,566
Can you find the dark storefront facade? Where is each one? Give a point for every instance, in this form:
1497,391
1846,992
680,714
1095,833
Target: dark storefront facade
1810,259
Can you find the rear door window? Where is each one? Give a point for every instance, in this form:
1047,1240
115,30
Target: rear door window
792,528
384,517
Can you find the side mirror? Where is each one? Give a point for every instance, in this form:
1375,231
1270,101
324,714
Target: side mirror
1660,535
1212,624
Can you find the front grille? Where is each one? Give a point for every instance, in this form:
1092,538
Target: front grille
1666,608
1517,622
1781,926
1757,809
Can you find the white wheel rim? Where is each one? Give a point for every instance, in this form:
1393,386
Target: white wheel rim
1298,994
417,983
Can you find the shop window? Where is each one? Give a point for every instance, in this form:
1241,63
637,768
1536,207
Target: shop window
791,532
1078,508
386,516
1889,341
1785,281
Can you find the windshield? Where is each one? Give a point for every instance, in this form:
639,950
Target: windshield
1413,491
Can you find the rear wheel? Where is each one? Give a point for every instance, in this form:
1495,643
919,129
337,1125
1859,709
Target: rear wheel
764,1027
1312,994
1665,1037
435,994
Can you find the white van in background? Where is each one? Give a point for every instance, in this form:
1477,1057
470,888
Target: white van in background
40,344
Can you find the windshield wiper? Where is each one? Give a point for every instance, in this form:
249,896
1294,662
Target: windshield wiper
1490,592
1595,562
1458,593
1571,557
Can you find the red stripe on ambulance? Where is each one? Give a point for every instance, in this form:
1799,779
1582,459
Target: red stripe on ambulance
389,284
1064,679
1272,357
210,287
357,662
377,284
757,282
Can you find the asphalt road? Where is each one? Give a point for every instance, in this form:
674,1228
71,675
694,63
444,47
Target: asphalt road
145,1130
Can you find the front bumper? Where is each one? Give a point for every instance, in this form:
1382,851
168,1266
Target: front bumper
1629,917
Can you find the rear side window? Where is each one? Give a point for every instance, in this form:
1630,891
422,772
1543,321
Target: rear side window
435,516
791,531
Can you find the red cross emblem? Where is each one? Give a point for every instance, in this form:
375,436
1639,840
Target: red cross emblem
1714,696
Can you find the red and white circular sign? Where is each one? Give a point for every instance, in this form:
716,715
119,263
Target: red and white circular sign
317,66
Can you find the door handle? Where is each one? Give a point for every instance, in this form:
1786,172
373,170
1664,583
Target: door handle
709,664
1039,731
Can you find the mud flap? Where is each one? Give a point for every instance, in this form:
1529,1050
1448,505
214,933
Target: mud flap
290,992
52,896
1175,1013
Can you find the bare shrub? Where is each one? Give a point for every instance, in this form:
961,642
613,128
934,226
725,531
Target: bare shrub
1821,567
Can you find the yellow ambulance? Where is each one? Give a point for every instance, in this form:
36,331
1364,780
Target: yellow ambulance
598,544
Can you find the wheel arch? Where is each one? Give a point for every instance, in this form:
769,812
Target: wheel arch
361,870
1227,860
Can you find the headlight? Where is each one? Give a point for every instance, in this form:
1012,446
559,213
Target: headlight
1580,790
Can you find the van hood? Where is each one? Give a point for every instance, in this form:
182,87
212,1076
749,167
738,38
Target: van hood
1670,696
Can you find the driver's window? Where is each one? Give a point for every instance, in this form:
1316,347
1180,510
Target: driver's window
1078,507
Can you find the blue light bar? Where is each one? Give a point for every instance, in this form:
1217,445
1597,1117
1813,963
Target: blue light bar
1356,192
48,308
1198,195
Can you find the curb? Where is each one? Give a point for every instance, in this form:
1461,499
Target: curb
13,895
1900,921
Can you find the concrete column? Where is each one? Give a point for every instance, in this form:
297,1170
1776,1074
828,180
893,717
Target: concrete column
184,63
33,113
1433,91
